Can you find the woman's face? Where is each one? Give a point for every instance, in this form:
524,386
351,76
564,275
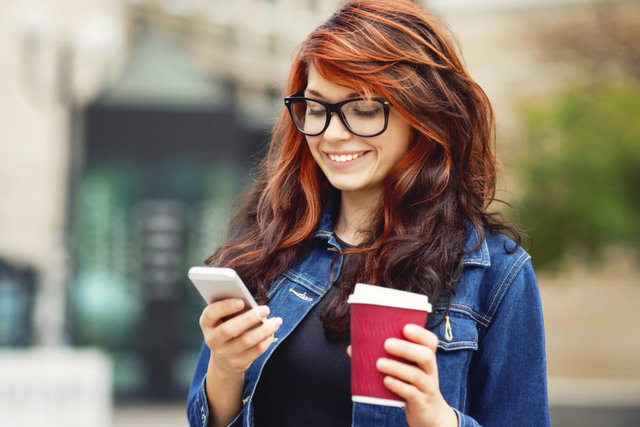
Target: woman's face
351,163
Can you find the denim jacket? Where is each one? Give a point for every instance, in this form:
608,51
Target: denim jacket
491,355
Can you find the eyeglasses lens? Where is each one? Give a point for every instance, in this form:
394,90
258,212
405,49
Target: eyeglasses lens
363,117
310,116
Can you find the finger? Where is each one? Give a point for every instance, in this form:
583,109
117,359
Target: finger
419,354
249,345
420,335
257,350
253,337
349,350
408,392
213,313
235,326
409,374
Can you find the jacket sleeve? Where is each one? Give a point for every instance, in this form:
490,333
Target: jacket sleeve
197,406
508,380
465,420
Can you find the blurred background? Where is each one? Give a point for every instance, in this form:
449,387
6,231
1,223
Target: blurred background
128,126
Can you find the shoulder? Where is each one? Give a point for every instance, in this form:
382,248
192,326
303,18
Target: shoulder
494,253
494,266
491,249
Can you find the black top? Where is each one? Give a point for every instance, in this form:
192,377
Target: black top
342,243
307,380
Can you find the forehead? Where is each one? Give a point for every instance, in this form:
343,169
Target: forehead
319,86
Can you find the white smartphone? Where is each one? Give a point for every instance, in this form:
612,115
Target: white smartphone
216,283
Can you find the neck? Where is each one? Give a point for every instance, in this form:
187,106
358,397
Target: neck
356,215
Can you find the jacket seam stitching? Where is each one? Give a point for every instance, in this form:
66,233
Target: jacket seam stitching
483,254
466,387
281,302
462,308
304,281
203,402
462,347
511,276
276,285
458,343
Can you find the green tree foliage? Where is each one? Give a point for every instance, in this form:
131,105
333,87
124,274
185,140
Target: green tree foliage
582,172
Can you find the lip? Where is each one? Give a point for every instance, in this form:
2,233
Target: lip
343,164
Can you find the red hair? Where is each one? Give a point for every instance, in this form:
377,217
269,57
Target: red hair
398,51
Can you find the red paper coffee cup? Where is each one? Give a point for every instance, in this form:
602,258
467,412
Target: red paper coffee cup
378,313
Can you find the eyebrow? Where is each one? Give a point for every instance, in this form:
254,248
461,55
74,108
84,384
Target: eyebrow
319,95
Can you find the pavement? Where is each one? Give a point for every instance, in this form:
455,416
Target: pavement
168,414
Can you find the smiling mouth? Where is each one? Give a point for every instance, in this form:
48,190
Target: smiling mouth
340,158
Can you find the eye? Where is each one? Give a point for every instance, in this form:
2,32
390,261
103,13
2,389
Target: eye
315,109
367,113
364,109
315,112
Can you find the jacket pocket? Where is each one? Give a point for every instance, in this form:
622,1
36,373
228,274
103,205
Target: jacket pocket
457,330
458,342
368,415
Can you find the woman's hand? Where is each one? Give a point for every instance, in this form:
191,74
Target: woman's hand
417,384
237,341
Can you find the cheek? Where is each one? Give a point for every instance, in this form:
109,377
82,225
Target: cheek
399,137
313,142
403,144
398,144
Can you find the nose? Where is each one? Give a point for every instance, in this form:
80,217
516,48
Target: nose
336,131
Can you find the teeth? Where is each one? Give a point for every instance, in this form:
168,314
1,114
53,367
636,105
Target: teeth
344,157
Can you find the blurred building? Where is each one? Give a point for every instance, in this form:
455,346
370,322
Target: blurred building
247,44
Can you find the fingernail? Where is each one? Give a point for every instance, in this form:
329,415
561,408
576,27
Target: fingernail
237,304
263,311
277,321
411,329
382,363
390,344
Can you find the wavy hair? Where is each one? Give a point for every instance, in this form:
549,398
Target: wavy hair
398,51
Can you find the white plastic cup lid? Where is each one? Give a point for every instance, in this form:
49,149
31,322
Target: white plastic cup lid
379,295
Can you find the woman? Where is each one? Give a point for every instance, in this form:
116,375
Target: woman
380,170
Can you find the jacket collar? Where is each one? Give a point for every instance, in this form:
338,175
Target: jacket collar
475,254
325,226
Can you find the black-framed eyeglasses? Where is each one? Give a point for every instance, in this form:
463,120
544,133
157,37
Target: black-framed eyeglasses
362,117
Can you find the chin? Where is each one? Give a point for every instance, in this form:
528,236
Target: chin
345,186
350,188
